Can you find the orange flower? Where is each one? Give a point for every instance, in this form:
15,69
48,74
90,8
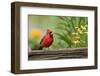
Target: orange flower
35,33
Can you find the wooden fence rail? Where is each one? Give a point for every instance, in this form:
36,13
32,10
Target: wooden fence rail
58,54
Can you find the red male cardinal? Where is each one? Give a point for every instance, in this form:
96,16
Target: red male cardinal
47,40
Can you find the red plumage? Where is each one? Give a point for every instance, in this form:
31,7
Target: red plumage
47,40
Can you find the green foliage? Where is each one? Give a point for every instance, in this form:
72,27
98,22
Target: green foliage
32,42
73,31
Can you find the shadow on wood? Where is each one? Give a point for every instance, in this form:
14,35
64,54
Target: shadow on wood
69,53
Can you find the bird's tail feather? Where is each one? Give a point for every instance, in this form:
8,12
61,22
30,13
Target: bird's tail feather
40,48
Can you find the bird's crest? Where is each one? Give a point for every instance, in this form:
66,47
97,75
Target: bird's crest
49,31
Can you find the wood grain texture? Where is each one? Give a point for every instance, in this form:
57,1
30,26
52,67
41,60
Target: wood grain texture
58,54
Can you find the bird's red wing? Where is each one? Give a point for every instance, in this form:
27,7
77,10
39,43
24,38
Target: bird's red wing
42,40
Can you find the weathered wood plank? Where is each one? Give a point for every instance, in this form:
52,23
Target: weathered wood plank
58,54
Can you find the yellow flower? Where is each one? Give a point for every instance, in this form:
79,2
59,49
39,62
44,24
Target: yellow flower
74,33
35,33
83,27
79,30
76,27
76,39
76,42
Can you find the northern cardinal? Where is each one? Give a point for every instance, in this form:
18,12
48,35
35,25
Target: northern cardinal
47,40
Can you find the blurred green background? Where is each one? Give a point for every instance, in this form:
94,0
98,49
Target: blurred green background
68,31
